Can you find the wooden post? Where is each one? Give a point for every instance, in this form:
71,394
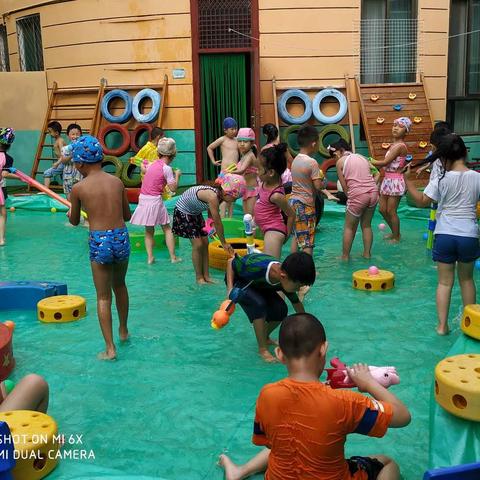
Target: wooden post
96,113
43,133
364,117
164,100
350,121
275,107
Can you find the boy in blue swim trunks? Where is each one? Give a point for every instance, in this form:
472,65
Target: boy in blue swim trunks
255,281
104,199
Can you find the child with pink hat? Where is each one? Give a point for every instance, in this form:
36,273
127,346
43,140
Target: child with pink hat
246,167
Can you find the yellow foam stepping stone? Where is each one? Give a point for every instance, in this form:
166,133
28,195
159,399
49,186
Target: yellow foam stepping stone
471,321
457,385
34,436
381,281
61,309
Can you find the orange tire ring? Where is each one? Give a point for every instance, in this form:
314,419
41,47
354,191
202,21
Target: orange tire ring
330,163
143,127
123,131
7,362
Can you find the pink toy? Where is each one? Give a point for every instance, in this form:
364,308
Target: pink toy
373,270
209,228
337,377
381,226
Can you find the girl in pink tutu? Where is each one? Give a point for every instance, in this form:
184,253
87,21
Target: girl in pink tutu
393,185
151,210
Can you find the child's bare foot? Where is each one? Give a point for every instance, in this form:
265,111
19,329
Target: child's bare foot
123,334
176,260
344,258
2,243
232,471
210,280
394,240
388,236
267,356
443,330
271,341
367,256
151,261
108,355
201,281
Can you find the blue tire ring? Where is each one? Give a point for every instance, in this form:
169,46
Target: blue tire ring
338,129
123,148
286,133
153,113
123,95
322,94
282,106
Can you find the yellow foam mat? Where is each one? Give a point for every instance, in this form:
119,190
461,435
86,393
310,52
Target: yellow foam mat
471,321
61,309
457,385
34,435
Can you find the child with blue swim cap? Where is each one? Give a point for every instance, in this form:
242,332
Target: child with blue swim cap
104,198
229,150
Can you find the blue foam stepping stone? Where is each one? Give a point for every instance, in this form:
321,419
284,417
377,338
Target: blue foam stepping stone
470,471
397,107
26,295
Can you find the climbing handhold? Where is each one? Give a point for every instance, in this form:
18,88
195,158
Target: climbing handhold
417,119
397,107
412,96
380,120
374,98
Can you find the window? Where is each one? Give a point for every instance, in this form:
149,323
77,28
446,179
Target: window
216,17
463,106
30,43
388,41
4,59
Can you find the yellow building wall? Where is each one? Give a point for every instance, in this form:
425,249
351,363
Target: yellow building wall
316,44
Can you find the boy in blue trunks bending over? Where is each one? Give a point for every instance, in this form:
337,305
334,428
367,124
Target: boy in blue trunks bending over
255,281
104,199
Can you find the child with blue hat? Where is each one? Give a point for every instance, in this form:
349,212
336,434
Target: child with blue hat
104,199
229,150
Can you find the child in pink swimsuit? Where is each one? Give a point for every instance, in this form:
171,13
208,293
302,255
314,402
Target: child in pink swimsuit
393,185
7,136
246,167
272,202
361,189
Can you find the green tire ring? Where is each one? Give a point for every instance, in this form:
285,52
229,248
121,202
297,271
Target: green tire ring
338,129
111,160
128,178
137,241
286,133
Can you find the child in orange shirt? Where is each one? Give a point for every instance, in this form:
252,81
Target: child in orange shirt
304,423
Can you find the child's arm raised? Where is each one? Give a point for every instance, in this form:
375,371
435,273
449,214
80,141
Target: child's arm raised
420,199
74,212
397,150
281,202
212,147
361,376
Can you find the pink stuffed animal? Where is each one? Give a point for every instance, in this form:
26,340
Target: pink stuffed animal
337,377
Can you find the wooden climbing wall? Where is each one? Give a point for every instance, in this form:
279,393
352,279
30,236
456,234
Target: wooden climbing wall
377,104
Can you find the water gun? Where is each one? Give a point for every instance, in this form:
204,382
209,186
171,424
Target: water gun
250,233
25,178
373,169
222,316
209,229
147,153
337,377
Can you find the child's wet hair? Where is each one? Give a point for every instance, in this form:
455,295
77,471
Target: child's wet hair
438,133
55,126
74,126
275,158
300,268
156,132
300,334
307,135
270,131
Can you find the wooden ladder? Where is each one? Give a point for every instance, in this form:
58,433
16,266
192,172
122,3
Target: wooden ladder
62,107
377,102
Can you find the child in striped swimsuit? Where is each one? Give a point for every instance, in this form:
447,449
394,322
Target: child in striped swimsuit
272,201
393,185
188,220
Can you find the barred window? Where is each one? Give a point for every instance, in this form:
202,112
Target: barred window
4,60
217,17
29,33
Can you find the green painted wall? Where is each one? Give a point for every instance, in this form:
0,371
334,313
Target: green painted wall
26,141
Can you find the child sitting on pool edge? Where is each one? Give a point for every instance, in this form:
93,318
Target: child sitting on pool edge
104,199
254,282
304,423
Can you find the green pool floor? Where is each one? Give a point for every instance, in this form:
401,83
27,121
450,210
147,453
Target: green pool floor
180,393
